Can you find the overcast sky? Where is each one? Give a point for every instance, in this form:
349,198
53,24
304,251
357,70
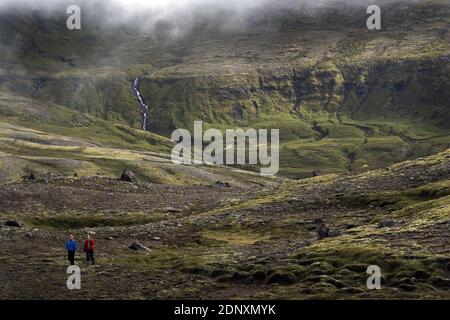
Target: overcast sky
180,14
164,6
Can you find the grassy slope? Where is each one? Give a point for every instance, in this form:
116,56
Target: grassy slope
278,257
388,102
237,242
49,139
344,98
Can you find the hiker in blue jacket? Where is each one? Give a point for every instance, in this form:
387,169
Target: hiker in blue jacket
71,247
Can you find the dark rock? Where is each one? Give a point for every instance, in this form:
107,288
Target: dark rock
282,278
316,173
407,287
356,267
137,246
195,270
322,231
407,280
127,176
441,282
249,280
31,176
259,275
218,273
172,210
335,233
14,223
239,276
306,243
222,184
388,223
421,274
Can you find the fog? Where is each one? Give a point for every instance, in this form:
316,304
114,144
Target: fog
180,16
127,10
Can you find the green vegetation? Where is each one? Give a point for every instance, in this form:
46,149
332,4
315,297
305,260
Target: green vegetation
347,100
71,221
367,112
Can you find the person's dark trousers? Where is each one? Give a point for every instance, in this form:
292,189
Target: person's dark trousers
90,256
71,256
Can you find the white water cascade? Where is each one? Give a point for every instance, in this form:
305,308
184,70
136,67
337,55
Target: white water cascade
145,108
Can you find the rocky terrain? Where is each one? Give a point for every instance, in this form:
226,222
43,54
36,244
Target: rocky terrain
364,154
226,242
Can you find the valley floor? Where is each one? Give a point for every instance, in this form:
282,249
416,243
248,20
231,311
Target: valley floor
216,241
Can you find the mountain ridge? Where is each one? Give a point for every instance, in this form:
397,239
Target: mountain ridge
319,76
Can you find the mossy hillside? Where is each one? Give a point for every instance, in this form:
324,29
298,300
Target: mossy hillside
394,198
400,199
76,220
101,149
317,104
328,269
58,120
327,128
249,78
257,245
107,96
92,70
49,138
336,267
332,90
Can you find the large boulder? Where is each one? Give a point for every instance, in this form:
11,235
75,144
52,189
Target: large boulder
316,173
127,176
138,247
282,278
31,176
322,231
222,184
335,233
14,223
388,223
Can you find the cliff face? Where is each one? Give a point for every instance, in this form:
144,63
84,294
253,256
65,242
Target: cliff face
105,96
414,89
331,116
344,98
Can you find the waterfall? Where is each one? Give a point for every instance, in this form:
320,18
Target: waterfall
145,108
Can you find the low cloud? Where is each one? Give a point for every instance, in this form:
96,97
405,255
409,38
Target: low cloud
175,18
176,12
